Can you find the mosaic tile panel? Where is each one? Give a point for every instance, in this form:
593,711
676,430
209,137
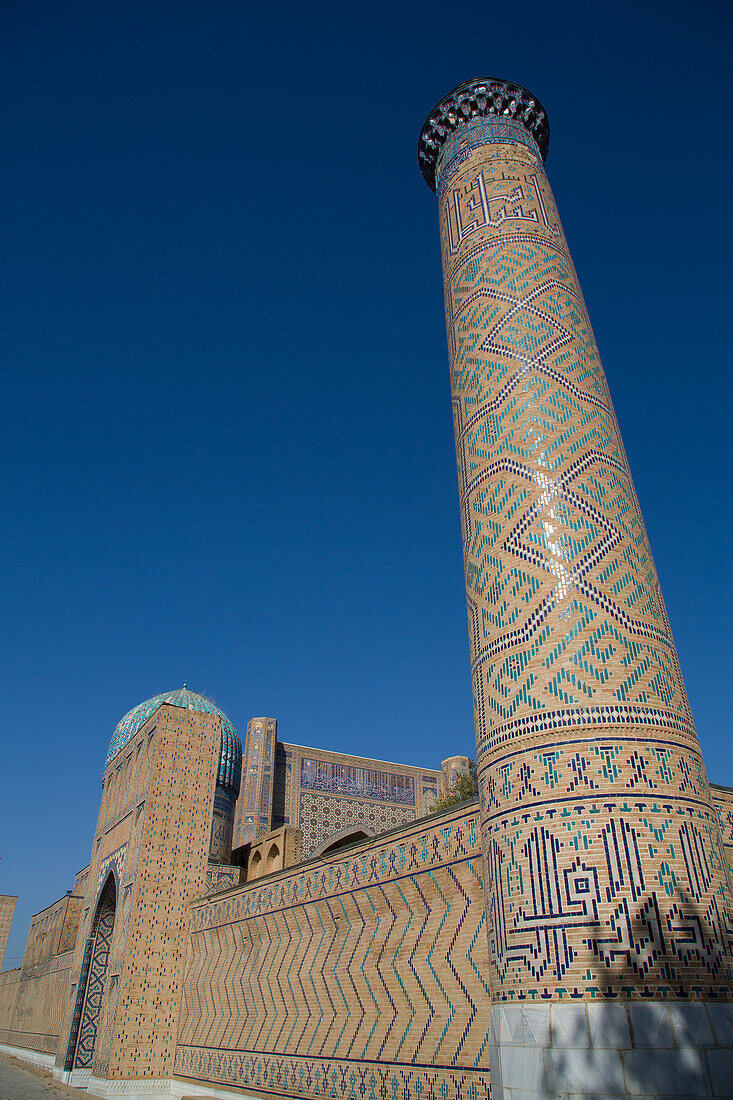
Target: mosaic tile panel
355,784
100,946
324,816
253,814
221,878
607,872
332,777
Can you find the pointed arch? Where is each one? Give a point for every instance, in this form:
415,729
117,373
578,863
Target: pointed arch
93,980
255,866
352,834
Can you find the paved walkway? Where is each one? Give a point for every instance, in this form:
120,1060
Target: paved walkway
20,1081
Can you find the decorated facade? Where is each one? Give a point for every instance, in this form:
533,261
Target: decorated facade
272,920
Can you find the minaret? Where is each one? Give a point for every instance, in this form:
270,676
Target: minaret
607,896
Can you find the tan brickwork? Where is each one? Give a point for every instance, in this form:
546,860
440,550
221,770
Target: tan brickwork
80,882
603,847
33,1003
358,974
153,840
7,908
275,851
723,803
171,870
10,981
53,931
33,997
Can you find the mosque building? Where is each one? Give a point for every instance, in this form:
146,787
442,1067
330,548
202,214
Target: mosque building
272,920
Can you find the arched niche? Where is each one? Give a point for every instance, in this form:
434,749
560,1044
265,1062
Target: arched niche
352,834
255,866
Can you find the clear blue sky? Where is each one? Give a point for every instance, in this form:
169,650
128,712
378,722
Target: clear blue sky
226,434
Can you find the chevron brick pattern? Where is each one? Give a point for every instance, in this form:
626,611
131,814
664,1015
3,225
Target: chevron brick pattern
607,873
355,976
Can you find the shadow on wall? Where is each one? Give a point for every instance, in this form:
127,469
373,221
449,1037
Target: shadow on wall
649,1049
255,869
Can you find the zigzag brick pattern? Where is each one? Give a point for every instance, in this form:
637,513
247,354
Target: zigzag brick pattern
606,869
360,977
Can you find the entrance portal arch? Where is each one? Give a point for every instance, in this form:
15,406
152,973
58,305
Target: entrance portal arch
92,981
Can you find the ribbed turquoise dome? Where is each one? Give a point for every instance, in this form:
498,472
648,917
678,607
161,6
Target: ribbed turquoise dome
230,756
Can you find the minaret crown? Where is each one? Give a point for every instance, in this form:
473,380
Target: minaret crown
477,99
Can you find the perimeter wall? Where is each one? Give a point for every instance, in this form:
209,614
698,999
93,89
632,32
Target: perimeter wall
358,974
33,1001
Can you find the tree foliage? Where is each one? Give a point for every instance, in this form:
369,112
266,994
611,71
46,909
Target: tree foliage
462,787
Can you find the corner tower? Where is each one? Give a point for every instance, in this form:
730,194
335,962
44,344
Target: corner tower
607,896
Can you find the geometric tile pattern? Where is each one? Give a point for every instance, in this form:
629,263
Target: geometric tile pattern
606,867
320,792
324,791
101,942
357,977
254,809
221,878
323,816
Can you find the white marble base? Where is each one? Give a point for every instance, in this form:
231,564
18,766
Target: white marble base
594,1051
577,1051
33,1056
169,1089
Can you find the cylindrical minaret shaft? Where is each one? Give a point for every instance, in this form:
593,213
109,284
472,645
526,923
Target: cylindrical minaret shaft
605,871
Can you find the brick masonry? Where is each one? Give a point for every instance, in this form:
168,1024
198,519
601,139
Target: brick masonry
355,975
7,909
606,871
321,792
569,935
